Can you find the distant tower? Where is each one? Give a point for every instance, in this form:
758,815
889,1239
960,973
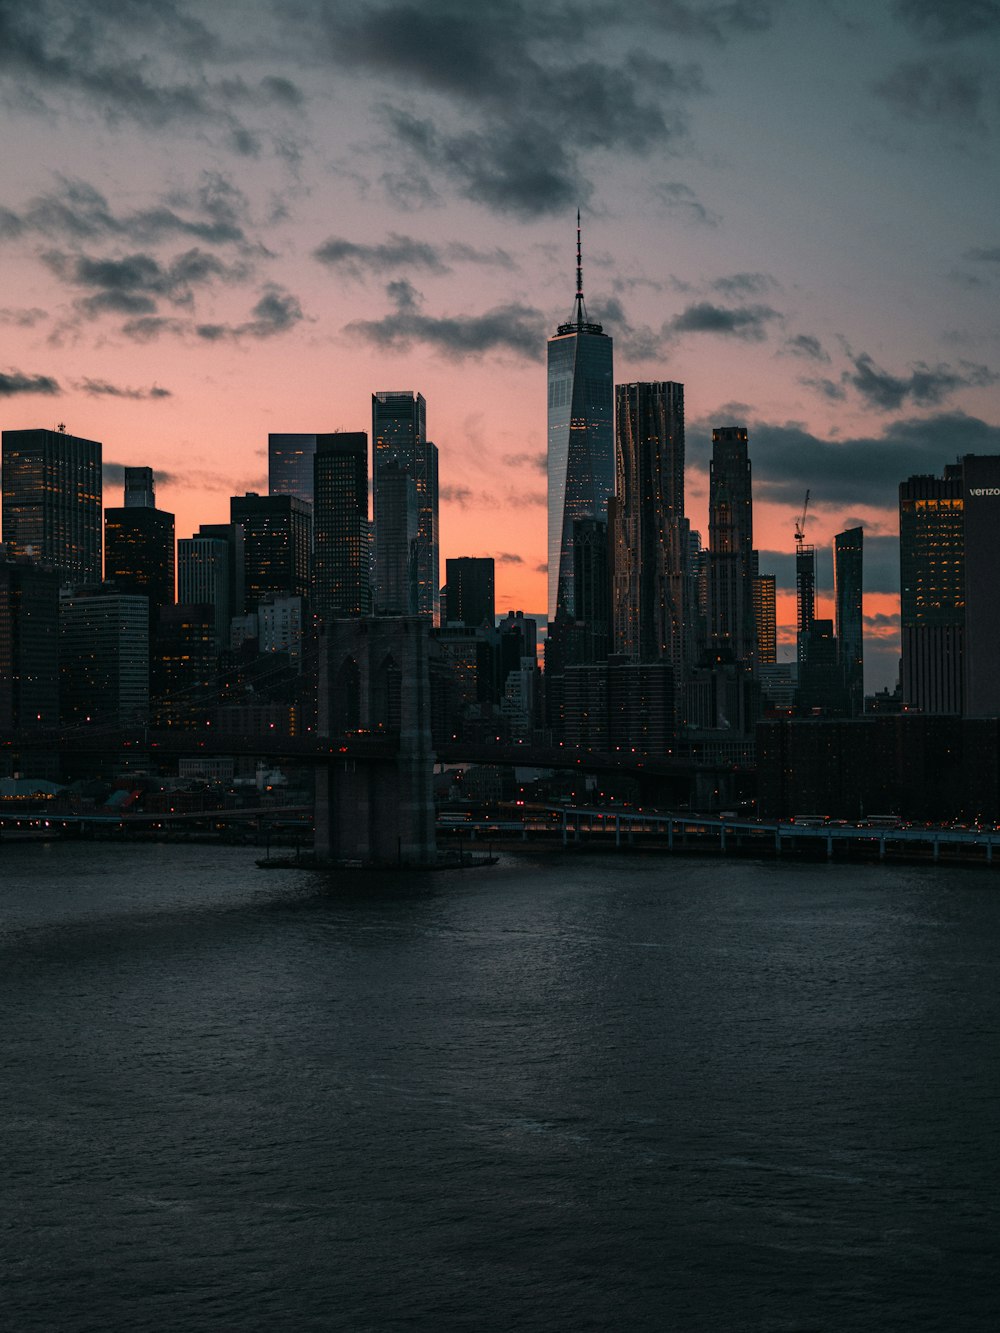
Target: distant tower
52,501
139,543
650,535
470,591
581,445
399,440
731,622
805,586
290,465
277,542
342,563
847,570
765,617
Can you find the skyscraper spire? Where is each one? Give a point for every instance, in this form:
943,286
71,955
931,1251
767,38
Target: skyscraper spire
579,323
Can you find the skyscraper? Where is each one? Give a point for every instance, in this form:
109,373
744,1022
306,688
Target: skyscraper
204,578
731,622
765,618
139,543
581,444
469,591
342,559
277,531
932,590
650,533
52,501
399,435
29,641
848,549
290,465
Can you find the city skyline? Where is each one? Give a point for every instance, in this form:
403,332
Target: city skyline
256,245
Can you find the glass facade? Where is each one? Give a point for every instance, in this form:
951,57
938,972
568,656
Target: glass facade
52,501
399,435
277,545
290,465
731,620
342,531
848,550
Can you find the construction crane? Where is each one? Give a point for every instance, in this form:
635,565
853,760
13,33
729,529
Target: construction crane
800,526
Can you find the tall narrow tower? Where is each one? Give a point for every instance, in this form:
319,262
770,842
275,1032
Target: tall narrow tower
731,621
581,440
400,446
848,548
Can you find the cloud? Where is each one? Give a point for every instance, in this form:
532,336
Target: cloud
949,20
747,322
457,495
681,201
928,92
510,328
805,345
537,461
861,469
397,252
508,558
133,284
925,385
23,318
543,568
276,312
15,382
990,255
738,285
101,388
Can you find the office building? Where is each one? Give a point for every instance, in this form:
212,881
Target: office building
277,545
591,628
232,535
103,655
139,543
290,465
765,618
396,542
342,542
470,596
848,549
29,645
52,501
650,536
183,669
400,444
932,590
731,621
581,445
204,578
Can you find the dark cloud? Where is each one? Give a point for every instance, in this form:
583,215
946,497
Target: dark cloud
114,474
543,568
681,201
935,91
102,389
511,328
276,312
508,558
805,345
830,389
925,385
397,252
846,473
22,318
748,322
949,20
739,285
536,461
14,382
456,495
133,284
987,256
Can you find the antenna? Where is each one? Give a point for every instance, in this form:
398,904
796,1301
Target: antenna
579,272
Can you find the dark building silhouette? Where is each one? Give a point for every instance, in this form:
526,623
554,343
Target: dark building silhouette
29,645
981,526
848,551
183,669
932,590
139,543
821,685
277,545
204,577
290,465
342,543
103,655
396,539
52,501
470,596
399,435
233,536
731,622
650,535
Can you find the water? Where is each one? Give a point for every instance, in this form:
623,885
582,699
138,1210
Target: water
562,1093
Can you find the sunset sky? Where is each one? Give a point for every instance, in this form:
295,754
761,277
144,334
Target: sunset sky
222,220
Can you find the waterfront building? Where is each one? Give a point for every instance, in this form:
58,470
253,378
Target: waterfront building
848,550
290,465
103,655
185,656
277,545
400,444
342,555
581,450
52,501
932,590
29,645
139,543
650,535
731,620
470,591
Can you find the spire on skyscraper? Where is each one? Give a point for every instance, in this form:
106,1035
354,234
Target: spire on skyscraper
579,323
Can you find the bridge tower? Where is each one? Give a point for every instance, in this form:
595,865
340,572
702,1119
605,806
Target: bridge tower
373,677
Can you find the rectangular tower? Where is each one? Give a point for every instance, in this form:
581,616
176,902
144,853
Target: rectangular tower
932,590
342,531
731,623
52,501
290,465
139,543
470,591
848,547
277,544
399,439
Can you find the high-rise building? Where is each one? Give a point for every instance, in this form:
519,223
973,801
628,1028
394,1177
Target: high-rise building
103,655
765,618
396,536
342,555
290,465
731,622
29,645
848,547
949,591
399,441
233,536
591,640
581,443
277,543
470,597
139,543
204,578
52,501
650,534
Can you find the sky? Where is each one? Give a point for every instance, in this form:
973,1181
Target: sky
222,220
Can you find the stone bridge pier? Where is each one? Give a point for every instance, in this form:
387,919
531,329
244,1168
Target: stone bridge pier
373,677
